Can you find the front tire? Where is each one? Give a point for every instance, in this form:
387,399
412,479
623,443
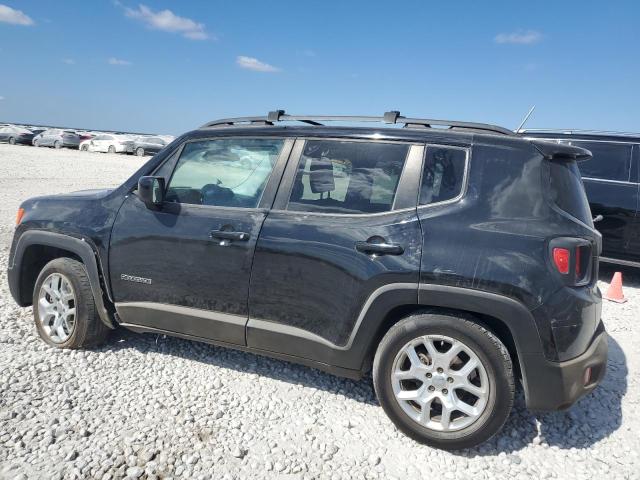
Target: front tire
112,149
63,307
84,148
57,144
444,380
12,141
140,152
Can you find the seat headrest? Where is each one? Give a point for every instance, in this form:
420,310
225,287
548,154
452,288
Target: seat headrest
321,175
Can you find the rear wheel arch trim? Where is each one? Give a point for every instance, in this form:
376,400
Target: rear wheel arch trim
78,246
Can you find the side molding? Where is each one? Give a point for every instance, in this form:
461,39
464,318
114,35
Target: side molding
75,245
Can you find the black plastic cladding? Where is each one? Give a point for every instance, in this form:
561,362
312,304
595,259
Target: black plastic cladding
298,289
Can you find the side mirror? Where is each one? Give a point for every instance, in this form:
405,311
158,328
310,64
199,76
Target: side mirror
151,191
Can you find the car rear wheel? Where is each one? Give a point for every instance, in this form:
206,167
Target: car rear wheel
57,144
84,148
63,307
140,152
444,380
12,140
36,143
112,149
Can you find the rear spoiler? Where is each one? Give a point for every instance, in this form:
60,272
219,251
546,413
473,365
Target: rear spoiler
561,151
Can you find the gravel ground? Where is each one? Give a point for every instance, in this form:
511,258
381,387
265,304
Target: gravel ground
145,406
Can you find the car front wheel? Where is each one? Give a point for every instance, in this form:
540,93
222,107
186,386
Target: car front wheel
63,307
57,144
12,141
140,151
444,380
112,149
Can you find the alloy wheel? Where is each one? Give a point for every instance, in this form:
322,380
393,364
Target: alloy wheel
57,307
440,383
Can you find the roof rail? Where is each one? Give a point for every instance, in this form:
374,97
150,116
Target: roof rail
570,131
391,117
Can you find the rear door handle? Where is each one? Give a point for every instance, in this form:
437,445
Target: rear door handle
227,235
379,248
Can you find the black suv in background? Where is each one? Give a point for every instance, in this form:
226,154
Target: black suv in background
449,261
611,180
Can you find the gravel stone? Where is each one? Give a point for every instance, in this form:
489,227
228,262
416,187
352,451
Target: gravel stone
148,406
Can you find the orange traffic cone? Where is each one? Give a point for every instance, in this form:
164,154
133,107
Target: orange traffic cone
614,293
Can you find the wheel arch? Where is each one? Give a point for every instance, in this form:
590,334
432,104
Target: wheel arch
35,249
507,318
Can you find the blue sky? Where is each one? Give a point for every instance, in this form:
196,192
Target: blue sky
167,67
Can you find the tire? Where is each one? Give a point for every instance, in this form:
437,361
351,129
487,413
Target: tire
84,148
112,149
57,144
12,141
36,143
140,152
493,378
80,330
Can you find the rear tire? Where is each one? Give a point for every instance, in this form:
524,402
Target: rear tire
112,149
63,306
84,148
423,385
36,143
12,141
140,152
57,144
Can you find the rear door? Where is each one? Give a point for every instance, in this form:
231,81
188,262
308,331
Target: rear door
185,268
611,193
343,228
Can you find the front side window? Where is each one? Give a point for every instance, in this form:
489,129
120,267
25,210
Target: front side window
610,161
226,172
443,174
347,177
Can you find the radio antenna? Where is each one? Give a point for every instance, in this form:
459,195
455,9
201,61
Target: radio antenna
526,117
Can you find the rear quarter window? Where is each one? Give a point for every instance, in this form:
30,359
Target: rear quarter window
610,161
567,190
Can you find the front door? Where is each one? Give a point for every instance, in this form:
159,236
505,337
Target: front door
343,226
185,267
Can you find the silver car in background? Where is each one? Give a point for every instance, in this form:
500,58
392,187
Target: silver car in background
57,138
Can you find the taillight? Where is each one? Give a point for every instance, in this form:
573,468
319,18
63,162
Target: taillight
561,258
572,258
19,216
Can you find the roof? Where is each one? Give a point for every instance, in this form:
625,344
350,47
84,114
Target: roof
601,135
277,117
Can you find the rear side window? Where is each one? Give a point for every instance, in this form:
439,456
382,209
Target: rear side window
610,161
442,174
347,177
567,190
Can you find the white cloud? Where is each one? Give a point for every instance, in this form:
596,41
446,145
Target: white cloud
69,61
119,62
520,37
167,21
15,17
251,63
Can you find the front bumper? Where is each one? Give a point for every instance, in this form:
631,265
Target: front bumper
558,385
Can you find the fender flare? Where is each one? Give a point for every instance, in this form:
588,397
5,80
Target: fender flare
78,246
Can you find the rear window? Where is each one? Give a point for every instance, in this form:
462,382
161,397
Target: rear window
610,161
567,190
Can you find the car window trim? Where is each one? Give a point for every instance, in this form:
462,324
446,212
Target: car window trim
465,175
284,192
265,200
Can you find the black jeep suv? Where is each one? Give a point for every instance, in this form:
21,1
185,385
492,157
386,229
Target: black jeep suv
450,261
612,182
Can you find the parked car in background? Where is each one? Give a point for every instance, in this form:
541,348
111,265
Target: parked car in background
57,138
146,146
106,143
612,182
16,135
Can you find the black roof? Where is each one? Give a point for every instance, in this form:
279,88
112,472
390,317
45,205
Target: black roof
569,134
393,117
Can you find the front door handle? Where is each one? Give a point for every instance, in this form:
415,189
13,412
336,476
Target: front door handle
379,248
227,235
597,218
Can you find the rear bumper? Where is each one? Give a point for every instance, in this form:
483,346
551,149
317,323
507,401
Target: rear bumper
558,385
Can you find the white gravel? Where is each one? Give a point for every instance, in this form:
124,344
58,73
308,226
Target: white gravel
144,406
